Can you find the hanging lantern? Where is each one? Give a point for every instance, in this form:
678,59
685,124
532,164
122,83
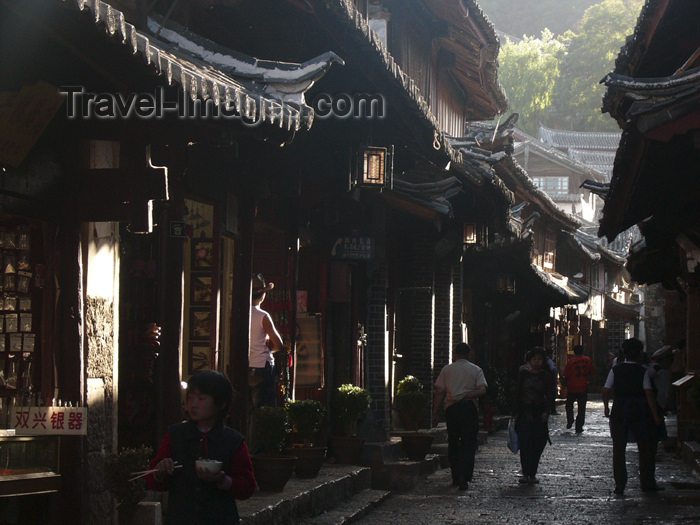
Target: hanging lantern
469,233
375,167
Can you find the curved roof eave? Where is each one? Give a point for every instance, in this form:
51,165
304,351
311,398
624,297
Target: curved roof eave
199,78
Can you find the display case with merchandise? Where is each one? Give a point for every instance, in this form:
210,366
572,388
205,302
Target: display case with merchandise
28,465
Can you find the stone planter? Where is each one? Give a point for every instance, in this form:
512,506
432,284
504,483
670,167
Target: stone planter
272,473
416,445
309,460
409,421
347,450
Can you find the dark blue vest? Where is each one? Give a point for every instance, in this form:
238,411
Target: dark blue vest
630,405
629,380
192,501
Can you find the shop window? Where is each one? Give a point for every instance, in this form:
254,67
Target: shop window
22,279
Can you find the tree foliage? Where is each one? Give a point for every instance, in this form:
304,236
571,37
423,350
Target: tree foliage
591,54
556,80
528,72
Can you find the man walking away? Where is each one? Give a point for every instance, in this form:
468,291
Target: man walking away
578,369
634,411
459,385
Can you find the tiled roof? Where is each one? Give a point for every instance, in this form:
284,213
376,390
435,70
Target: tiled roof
598,160
579,139
592,157
513,175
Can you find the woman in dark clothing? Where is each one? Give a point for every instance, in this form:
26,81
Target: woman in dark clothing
531,408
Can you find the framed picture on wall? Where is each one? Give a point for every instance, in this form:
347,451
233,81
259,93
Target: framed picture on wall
199,357
200,323
200,289
202,255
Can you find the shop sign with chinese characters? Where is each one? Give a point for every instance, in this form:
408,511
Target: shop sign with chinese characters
34,421
353,247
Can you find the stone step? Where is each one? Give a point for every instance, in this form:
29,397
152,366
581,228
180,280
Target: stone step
379,453
691,451
306,498
352,510
691,454
402,475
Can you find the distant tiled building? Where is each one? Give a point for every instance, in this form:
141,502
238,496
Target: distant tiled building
595,149
559,175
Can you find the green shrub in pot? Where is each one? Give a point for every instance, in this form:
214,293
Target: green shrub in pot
412,403
272,425
119,469
348,405
305,417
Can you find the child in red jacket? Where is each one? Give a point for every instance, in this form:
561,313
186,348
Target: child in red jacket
195,495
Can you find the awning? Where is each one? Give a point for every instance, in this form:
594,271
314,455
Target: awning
512,257
254,88
617,311
577,244
558,287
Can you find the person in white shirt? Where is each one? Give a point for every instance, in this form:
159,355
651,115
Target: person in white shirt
459,385
634,411
265,341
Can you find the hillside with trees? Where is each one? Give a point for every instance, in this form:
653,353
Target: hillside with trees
555,79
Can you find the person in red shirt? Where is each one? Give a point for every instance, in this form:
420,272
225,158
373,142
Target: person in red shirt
578,369
195,495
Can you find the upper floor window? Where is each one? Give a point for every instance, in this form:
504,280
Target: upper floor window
379,22
595,277
550,249
361,6
552,185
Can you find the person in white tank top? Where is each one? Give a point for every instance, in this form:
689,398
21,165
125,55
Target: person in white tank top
265,341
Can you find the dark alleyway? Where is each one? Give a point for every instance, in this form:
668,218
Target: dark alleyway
576,486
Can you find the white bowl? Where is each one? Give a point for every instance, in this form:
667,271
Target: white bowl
210,465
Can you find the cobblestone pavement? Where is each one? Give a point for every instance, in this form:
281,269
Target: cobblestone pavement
576,486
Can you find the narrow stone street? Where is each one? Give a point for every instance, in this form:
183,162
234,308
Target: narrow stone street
576,486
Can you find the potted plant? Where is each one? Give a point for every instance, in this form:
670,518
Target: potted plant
413,405
348,404
272,470
118,471
306,417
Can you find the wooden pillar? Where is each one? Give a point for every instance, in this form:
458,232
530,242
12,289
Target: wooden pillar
170,319
240,309
693,330
69,363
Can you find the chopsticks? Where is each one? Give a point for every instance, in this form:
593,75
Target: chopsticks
143,473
